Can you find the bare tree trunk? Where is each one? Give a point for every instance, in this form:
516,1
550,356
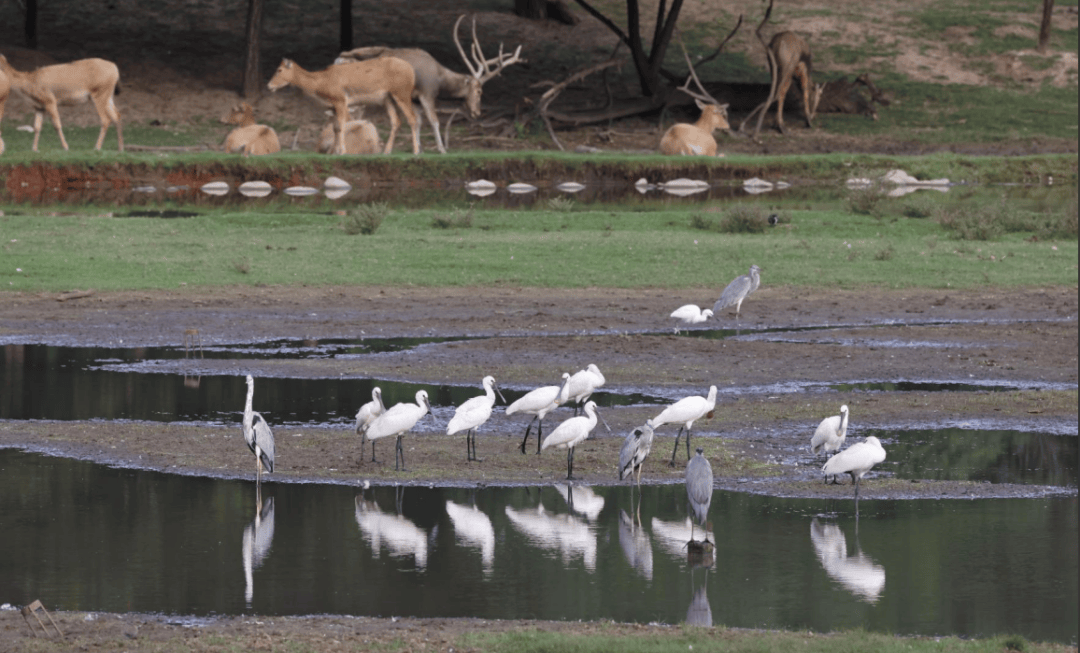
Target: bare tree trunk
252,73
30,24
1044,29
346,25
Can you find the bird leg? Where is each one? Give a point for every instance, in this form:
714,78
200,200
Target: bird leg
570,464
372,452
688,444
527,429
676,449
474,456
856,487
399,452
539,436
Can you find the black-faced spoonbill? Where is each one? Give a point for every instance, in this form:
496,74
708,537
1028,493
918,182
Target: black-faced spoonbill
258,437
635,448
737,291
831,433
572,432
583,383
685,412
539,403
365,416
472,414
690,314
699,488
856,460
398,420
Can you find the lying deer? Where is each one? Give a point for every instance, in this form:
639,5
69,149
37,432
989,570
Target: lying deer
361,137
789,58
5,89
433,79
696,139
69,83
383,81
249,138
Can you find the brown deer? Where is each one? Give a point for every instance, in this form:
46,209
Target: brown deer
696,139
361,137
789,59
69,83
249,138
433,79
5,89
383,81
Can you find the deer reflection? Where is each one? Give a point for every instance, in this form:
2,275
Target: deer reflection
858,574
258,536
473,528
401,536
636,545
582,500
567,534
675,536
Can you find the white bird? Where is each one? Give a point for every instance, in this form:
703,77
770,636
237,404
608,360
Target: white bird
699,489
472,414
635,449
572,432
258,537
856,460
690,314
259,438
737,291
831,433
685,411
365,416
398,420
539,403
582,384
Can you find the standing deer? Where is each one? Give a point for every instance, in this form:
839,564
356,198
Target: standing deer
696,139
249,138
5,88
69,83
433,79
361,137
789,58
383,81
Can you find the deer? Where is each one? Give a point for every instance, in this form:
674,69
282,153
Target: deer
249,138
385,81
70,83
696,139
433,79
360,137
5,89
789,58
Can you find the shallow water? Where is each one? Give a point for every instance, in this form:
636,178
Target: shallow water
81,536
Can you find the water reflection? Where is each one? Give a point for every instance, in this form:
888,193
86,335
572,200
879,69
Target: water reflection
858,574
700,613
636,544
400,535
473,528
564,534
258,537
581,499
675,536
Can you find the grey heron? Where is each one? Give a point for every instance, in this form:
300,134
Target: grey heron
685,411
472,414
539,403
737,291
831,433
571,433
699,489
397,421
690,314
582,384
258,436
856,460
365,416
636,447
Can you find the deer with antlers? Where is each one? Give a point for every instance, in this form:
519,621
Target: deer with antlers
49,87
433,79
697,139
387,81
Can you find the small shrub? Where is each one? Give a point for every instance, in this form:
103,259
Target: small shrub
698,221
456,219
1015,643
884,254
970,223
243,266
365,218
744,220
918,206
561,204
865,201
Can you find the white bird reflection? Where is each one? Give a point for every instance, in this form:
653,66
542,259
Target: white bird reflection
858,574
582,500
258,536
636,545
674,535
401,536
473,528
568,535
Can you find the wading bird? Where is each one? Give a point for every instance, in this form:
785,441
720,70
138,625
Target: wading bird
582,384
699,487
572,432
398,420
258,437
737,291
831,433
856,460
636,447
690,314
685,411
539,403
365,416
472,414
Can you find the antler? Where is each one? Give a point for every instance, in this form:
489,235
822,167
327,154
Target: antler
479,66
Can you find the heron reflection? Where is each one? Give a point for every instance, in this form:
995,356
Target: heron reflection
674,536
858,574
402,537
258,536
473,528
700,613
636,545
582,500
567,534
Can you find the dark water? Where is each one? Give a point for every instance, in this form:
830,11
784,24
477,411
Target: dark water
80,536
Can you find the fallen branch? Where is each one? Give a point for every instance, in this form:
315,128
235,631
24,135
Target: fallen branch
552,93
75,294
